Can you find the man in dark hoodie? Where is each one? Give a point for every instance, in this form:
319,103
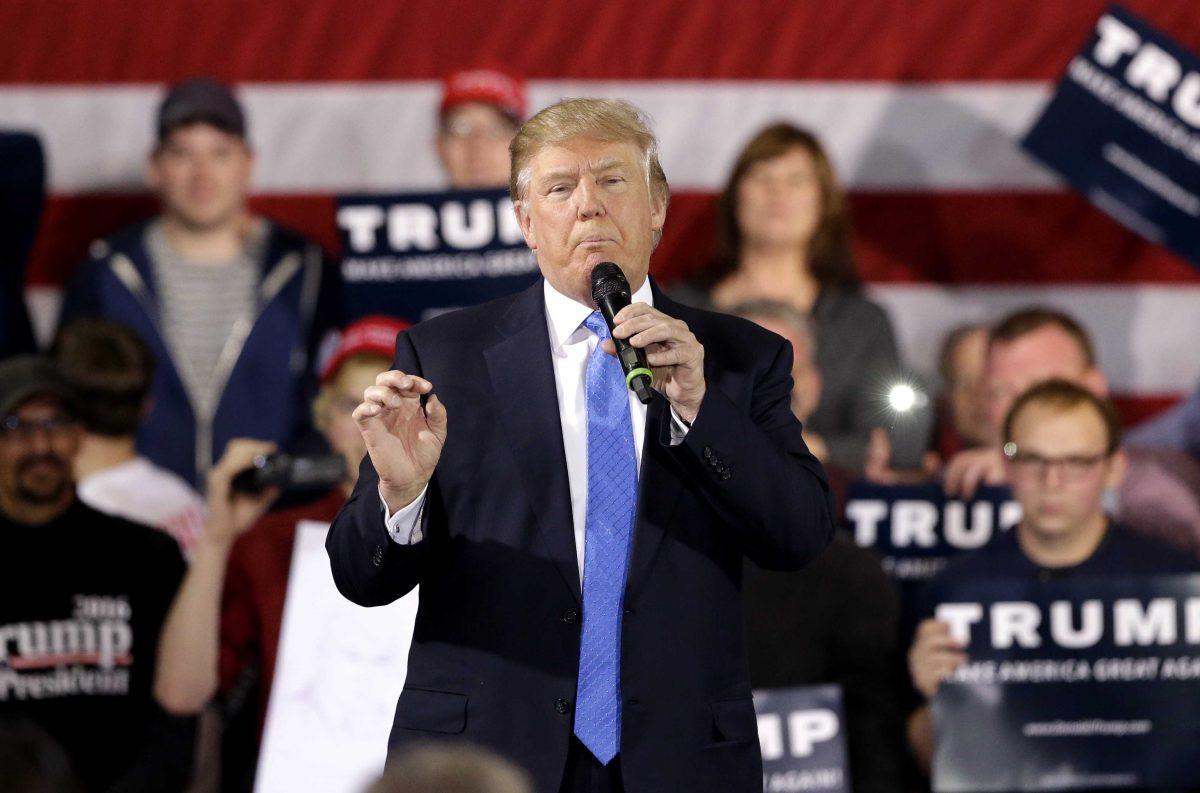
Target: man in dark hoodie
232,305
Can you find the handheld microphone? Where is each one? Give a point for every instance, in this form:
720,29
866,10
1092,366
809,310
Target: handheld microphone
610,290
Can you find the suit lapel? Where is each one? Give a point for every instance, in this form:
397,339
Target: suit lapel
522,376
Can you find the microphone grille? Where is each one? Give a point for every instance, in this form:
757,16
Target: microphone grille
607,279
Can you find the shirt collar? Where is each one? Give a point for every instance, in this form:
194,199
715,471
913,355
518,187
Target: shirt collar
564,314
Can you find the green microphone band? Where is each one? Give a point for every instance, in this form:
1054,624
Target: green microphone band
634,373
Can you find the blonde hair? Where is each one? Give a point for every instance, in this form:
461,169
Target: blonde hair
438,768
603,119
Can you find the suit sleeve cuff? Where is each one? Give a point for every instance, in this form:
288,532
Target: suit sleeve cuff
679,428
404,527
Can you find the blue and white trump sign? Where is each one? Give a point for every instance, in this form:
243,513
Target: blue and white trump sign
415,256
1074,684
1123,129
917,529
802,734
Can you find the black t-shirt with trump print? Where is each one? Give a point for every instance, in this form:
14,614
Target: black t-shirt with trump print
82,603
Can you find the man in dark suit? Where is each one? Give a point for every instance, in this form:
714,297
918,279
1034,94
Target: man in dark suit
553,474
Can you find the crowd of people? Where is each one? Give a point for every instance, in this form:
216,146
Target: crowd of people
143,589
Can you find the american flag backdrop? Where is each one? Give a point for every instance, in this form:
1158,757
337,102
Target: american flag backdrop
920,102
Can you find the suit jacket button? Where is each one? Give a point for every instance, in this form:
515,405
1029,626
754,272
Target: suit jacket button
562,706
570,616
708,453
377,556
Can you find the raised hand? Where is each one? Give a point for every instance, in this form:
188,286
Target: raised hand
877,463
970,469
229,513
934,656
404,439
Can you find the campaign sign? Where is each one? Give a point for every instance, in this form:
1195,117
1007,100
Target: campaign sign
1124,129
340,671
418,255
802,734
1083,683
916,529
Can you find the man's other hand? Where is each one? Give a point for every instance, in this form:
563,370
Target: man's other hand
404,439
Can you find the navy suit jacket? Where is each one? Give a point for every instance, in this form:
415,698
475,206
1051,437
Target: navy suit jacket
495,651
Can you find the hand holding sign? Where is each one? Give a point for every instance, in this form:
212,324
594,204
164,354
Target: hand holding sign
969,469
934,656
877,464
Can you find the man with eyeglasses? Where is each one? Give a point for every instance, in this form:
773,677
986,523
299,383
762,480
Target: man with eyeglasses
480,112
1061,445
1159,495
83,596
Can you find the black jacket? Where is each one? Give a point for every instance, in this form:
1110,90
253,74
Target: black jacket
495,650
837,621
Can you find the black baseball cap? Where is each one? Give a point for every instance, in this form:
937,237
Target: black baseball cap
201,100
24,377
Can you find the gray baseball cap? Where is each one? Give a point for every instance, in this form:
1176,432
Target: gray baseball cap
201,99
24,377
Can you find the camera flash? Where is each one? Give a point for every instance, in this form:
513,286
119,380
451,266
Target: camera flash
902,398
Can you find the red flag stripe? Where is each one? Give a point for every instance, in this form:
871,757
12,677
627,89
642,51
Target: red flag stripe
77,41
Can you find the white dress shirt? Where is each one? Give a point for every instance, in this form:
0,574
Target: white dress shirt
571,344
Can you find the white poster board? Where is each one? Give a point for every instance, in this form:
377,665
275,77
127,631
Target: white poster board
337,679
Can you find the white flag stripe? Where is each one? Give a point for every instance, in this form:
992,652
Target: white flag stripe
881,136
1145,336
334,137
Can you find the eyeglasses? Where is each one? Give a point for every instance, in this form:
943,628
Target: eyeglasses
463,129
1074,466
18,428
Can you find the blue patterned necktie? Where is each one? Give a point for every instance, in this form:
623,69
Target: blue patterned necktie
608,530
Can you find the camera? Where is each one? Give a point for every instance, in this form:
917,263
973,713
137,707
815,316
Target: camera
288,472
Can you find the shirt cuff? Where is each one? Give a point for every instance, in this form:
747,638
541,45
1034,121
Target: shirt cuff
405,526
679,428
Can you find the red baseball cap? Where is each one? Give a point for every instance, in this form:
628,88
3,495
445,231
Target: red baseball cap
374,334
490,86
